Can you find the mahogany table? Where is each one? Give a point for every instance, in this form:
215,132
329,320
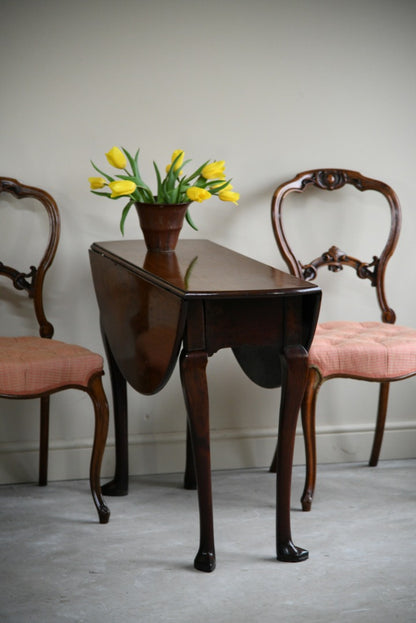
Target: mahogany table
197,300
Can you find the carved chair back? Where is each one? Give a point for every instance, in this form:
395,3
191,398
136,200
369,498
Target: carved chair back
30,280
334,258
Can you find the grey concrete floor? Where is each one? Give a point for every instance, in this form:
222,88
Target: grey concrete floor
57,564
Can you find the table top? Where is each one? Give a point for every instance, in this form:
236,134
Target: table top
203,268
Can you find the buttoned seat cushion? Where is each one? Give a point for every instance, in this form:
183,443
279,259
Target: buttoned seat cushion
372,350
35,365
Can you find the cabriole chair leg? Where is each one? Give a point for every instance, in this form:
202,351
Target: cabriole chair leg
98,397
44,441
381,420
309,435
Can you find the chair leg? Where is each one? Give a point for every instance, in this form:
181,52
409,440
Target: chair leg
381,419
97,394
309,435
44,441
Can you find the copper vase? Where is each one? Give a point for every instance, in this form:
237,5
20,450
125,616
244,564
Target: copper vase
161,224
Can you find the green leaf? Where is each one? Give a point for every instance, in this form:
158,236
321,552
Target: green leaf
158,178
133,163
171,177
124,215
201,182
190,221
180,195
197,173
131,178
95,192
163,197
107,177
148,195
218,188
163,194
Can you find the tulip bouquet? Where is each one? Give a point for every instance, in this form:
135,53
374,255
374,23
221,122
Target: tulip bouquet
175,187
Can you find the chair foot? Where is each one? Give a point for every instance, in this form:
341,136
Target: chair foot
103,514
306,501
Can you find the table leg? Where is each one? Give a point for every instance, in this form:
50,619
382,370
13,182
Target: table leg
120,483
295,368
195,389
189,481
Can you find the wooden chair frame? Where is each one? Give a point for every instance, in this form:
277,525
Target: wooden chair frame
31,281
335,260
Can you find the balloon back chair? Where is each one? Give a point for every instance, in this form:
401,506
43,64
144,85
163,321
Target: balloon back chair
373,351
38,366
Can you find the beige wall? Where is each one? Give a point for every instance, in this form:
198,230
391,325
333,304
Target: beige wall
273,87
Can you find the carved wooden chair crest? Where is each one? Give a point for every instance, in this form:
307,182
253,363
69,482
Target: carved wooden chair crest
374,351
38,366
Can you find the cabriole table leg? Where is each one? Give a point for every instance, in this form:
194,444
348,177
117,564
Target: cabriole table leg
295,368
194,384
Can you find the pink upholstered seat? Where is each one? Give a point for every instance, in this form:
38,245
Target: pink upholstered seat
35,365
370,350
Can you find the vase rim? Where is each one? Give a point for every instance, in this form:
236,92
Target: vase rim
161,204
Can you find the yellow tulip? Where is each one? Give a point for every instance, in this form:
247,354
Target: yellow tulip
229,195
195,193
116,158
123,187
96,182
175,155
214,170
